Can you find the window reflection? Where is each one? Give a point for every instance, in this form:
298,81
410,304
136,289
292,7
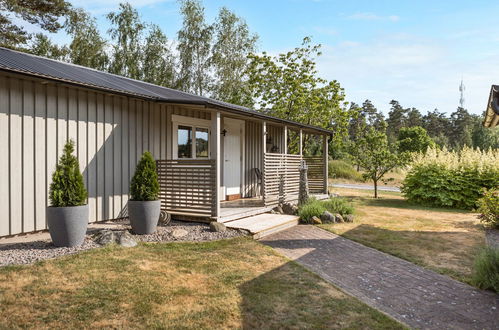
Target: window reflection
201,142
184,142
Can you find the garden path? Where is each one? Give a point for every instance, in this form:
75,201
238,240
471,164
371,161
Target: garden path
413,295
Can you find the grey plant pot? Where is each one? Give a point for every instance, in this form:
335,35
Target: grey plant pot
67,225
144,216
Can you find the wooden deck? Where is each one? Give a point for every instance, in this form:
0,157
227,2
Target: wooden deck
265,224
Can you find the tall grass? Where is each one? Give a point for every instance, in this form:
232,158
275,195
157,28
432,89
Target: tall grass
486,270
343,170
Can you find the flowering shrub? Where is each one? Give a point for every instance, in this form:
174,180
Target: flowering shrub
451,179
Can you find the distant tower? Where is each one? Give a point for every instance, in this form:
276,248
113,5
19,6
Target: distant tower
462,88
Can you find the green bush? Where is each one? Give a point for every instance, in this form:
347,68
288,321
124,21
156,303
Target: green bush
338,205
344,170
451,179
144,185
486,269
488,206
67,187
313,207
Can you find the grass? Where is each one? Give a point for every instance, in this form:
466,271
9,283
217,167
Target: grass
314,207
444,240
236,283
340,169
486,271
393,178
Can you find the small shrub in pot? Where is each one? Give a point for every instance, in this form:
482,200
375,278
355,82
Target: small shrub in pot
67,217
144,207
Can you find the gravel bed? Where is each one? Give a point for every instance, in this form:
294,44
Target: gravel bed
198,232
30,252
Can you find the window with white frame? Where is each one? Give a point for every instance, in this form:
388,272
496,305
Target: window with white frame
191,138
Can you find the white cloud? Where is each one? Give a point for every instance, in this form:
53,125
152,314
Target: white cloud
373,17
418,73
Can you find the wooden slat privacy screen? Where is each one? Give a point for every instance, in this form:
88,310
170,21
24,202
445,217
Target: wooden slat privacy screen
187,187
315,174
281,178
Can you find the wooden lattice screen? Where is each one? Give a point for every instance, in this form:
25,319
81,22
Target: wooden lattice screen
315,174
187,187
281,178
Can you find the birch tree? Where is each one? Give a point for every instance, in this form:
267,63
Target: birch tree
194,45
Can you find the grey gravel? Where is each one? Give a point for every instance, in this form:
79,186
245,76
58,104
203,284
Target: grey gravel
27,253
30,252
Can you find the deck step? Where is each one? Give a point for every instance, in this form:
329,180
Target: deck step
265,224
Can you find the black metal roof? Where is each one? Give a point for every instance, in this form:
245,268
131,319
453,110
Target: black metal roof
19,62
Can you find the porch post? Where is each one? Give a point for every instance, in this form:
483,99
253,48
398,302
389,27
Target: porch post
301,142
325,155
285,140
264,151
215,155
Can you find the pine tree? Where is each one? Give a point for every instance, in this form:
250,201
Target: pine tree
67,187
144,185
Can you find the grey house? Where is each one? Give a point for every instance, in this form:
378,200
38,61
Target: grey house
209,153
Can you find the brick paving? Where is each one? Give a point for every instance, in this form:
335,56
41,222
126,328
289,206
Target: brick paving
411,294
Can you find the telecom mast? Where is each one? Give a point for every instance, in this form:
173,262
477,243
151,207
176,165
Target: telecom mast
462,88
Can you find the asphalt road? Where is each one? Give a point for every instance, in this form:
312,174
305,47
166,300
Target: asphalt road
364,187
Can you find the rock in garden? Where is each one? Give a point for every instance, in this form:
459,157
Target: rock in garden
278,210
316,220
327,217
348,218
126,239
217,226
339,218
333,195
105,237
179,233
289,208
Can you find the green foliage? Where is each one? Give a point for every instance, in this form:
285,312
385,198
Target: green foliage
341,169
373,154
88,47
46,14
451,179
233,42
67,187
144,185
287,86
126,31
338,205
414,139
194,45
486,269
158,62
488,206
42,46
314,207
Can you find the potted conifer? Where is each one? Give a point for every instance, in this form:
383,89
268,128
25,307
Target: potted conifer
144,206
67,217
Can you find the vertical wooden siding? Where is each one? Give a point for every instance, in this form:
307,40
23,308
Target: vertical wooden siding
111,132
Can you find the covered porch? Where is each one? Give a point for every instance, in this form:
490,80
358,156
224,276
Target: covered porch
242,167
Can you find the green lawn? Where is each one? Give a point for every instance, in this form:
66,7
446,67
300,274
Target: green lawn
444,240
236,283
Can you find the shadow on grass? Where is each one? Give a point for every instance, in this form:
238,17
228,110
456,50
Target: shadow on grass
399,203
446,252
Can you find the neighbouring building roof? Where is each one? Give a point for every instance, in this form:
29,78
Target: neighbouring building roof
19,62
492,112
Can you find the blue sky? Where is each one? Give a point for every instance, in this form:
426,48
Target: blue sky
413,51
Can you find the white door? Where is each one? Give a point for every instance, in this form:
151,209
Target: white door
232,156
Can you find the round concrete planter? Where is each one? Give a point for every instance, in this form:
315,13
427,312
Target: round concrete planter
67,225
144,216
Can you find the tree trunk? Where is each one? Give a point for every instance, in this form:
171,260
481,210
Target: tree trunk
375,188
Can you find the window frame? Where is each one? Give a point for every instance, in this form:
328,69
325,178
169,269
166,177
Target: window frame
193,123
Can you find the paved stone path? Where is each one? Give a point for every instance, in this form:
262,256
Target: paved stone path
411,294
